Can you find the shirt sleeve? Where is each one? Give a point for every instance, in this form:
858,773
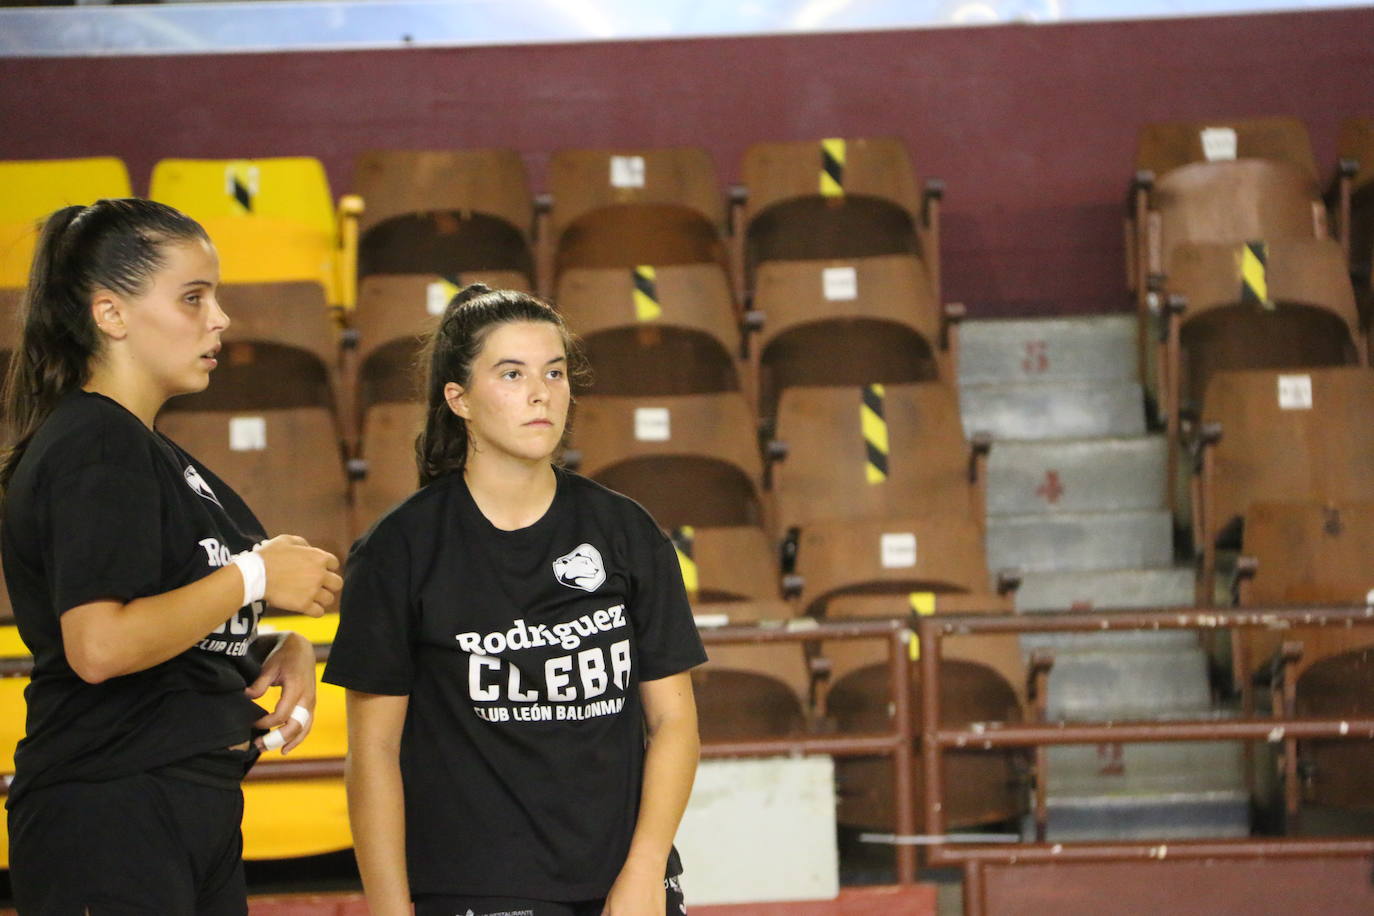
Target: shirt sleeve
373,650
103,539
665,631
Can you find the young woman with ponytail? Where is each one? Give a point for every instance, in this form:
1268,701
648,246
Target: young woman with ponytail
137,578
508,637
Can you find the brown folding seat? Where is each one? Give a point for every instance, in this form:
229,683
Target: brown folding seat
651,330
1312,554
394,314
873,452
725,564
847,322
1224,182
689,459
444,212
1282,304
982,679
1307,554
384,471
1279,436
750,691
285,461
837,198
626,207
891,554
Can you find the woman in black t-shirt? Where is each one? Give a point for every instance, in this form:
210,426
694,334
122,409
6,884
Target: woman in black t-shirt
507,635
137,578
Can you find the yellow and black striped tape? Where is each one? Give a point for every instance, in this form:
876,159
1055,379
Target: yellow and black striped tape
832,168
647,306
922,605
241,185
1254,275
684,541
875,433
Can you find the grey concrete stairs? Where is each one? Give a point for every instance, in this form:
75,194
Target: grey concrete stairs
1077,501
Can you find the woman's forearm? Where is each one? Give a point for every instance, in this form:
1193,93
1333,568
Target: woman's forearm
376,800
670,766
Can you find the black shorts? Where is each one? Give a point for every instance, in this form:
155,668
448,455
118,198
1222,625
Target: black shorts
521,906
138,846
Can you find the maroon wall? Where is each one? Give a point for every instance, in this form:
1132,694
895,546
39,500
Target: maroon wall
1032,127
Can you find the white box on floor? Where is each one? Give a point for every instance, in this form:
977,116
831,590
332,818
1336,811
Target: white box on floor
760,830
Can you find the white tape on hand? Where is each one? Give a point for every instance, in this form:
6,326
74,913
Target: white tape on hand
254,575
301,715
273,740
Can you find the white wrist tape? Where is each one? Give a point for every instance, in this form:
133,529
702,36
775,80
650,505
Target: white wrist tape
254,575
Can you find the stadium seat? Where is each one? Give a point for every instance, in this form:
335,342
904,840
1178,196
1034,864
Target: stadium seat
1271,435
445,212
721,565
654,331
627,207
689,459
383,470
1284,305
873,452
887,555
279,447
1306,554
836,198
1223,182
272,220
750,691
30,190
982,680
847,322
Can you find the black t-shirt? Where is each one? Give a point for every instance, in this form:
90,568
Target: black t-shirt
522,652
101,507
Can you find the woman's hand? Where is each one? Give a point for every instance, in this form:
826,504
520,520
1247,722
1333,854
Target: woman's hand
290,666
636,892
300,578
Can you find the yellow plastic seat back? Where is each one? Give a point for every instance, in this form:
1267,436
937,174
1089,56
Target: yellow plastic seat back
272,220
32,189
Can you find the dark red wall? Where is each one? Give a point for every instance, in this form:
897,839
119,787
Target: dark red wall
1032,127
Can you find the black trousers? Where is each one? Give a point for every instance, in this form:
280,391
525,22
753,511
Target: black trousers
144,845
520,906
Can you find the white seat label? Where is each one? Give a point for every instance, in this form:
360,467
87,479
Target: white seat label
627,171
247,434
652,424
839,283
1219,144
1295,392
437,296
898,550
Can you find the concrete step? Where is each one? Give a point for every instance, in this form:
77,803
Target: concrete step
1123,771
1048,349
1077,475
1124,641
1111,589
1081,541
1053,410
1112,682
1210,815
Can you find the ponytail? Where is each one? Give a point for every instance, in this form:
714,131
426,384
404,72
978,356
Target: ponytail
112,244
471,316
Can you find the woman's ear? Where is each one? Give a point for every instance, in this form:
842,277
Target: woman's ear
107,310
453,396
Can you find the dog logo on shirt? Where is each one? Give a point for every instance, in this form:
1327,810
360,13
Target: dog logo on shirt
581,568
197,483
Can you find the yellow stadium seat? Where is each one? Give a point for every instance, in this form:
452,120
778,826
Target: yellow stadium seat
32,189
273,220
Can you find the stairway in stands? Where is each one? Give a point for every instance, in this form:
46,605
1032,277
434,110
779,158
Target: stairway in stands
1077,502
